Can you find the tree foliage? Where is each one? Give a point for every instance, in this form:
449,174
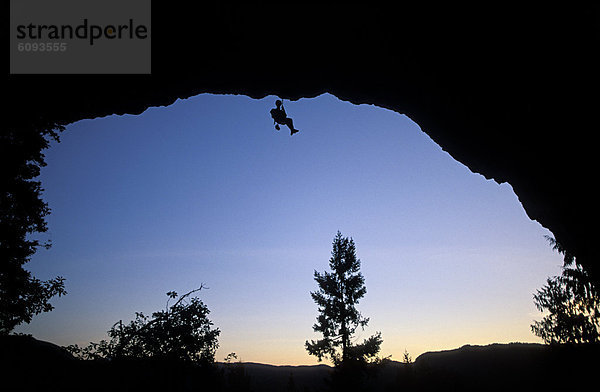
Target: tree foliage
22,215
339,292
235,374
572,305
180,332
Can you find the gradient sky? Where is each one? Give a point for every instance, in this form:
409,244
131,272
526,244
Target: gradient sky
206,191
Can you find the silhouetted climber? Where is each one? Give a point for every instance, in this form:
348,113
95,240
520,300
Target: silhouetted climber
280,117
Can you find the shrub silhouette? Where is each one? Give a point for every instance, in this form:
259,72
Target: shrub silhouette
236,377
22,215
572,306
572,303
180,332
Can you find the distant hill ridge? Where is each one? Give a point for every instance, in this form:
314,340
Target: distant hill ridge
494,367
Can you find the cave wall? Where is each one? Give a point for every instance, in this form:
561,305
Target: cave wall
511,92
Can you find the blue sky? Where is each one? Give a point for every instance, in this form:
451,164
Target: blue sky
206,191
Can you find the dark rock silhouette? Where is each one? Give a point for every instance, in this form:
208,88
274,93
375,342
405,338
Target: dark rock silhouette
507,92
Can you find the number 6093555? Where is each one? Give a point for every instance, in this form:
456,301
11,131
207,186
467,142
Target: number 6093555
42,46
